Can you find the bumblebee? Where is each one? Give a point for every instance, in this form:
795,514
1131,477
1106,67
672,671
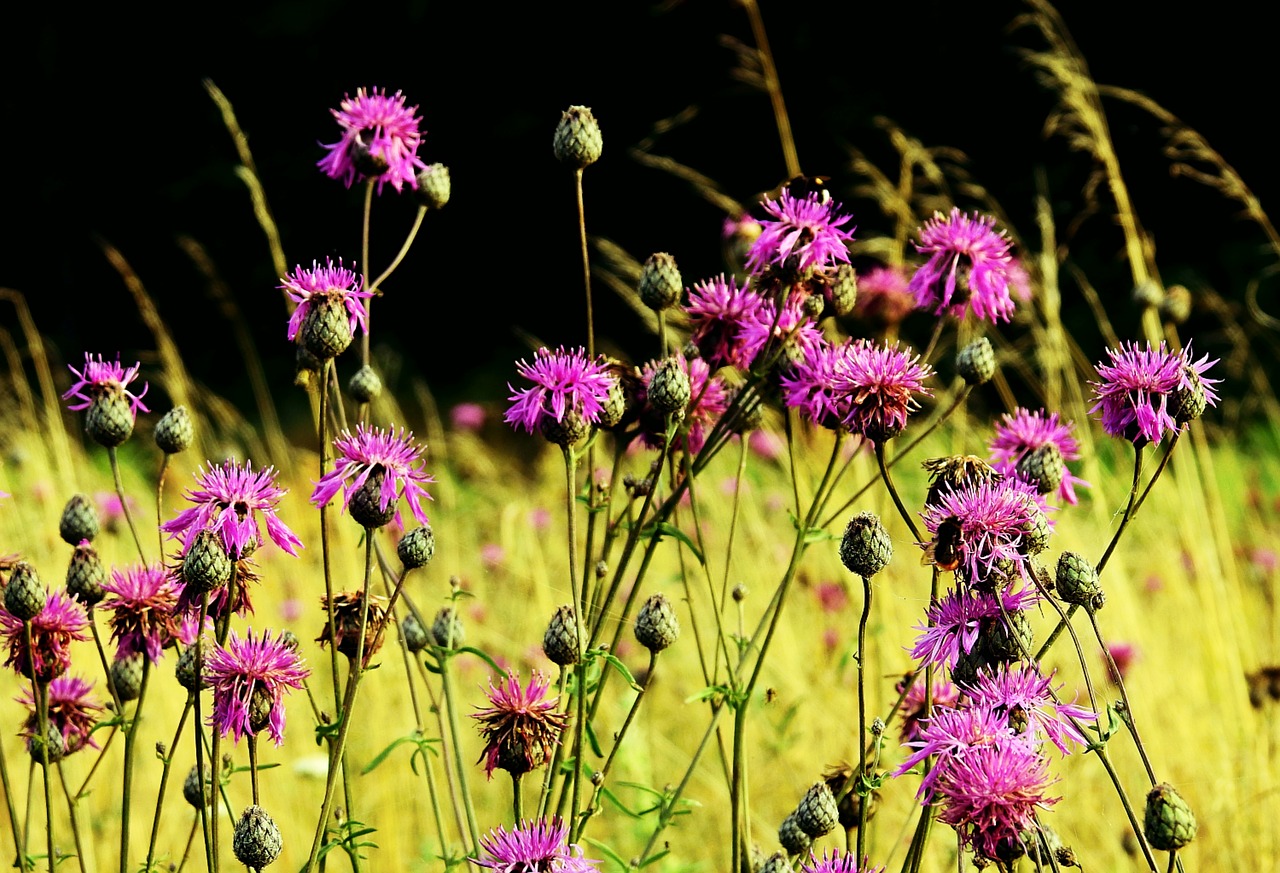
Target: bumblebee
944,551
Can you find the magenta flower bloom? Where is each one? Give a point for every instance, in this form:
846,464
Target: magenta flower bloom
992,793
249,678
792,327
467,416
802,233
812,384
521,726
951,734
1123,655
308,287
945,696
144,618
708,400
1028,694
880,382
104,377
1024,432
377,452
71,710
564,382
380,140
884,296
718,309
994,518
954,621
229,501
967,270
533,847
837,862
1134,390
62,621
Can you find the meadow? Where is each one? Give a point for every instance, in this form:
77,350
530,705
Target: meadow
860,475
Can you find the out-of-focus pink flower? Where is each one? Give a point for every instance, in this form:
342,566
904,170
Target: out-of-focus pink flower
766,444
467,416
831,596
1124,655
967,270
492,555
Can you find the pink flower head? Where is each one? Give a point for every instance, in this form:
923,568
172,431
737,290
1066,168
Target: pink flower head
309,287
62,621
521,726
955,620
1123,656
99,378
393,456
229,501
71,710
967,270
812,385
1025,696
718,309
1134,389
380,140
802,233
142,601
837,862
945,696
533,847
792,327
994,518
564,382
991,795
708,400
1024,432
467,416
880,382
260,668
883,296
953,733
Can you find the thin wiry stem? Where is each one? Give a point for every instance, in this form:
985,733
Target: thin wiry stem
42,725
130,739
164,779
364,267
19,843
75,819
586,264
124,503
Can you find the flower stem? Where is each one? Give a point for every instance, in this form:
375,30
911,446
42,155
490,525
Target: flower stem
19,844
586,264
864,799
364,268
42,725
124,503
404,250
517,802
75,819
164,779
164,469
617,742
253,766
130,740
451,710
893,492
204,811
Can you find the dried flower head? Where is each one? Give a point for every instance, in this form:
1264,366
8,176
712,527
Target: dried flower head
393,461
72,712
249,678
967,270
142,600
521,726
1023,431
801,233
1135,389
565,383
53,629
380,140
348,606
533,847
229,501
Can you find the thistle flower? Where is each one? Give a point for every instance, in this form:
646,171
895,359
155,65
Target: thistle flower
792,327
802,233
325,292
991,522
1134,390
229,501
991,795
954,621
533,847
53,629
945,696
717,310
102,387
952,734
249,678
1026,698
837,862
708,400
884,296
810,385
380,140
880,382
520,726
142,600
1023,431
565,384
391,460
967,270
72,712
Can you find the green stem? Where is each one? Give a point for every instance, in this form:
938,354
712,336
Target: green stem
19,844
517,802
124,503
586,264
253,767
404,249
164,469
42,725
75,818
864,799
364,267
164,779
451,709
130,746
197,730
893,492
617,742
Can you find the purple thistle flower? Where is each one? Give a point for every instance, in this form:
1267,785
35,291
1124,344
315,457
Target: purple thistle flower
953,734
521,726
880,382
953,622
945,696
229,501
306,287
803,233
1025,431
708,400
991,795
837,862
533,847
1134,389
71,710
884,296
101,377
1025,695
993,518
394,457
380,140
810,385
971,242
717,311
144,618
62,621
260,668
792,327
563,382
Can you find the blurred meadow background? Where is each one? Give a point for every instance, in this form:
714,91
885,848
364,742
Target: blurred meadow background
178,185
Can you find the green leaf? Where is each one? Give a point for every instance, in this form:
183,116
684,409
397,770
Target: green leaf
667,529
484,657
652,858
385,753
612,660
591,738
817,535
607,852
622,807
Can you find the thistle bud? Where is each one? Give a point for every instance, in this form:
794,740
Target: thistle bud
1044,466
256,840
414,634
1147,293
417,547
570,430
434,186
656,624
365,385
79,521
560,642
1188,402
366,503
577,140
447,629
24,596
326,329
660,283
843,290
1176,305
188,670
1036,532
174,431
109,420
792,837
193,793
866,548
976,362
126,676
1168,822
1006,641
669,389
776,863
1077,581
85,575
817,814
206,564
52,743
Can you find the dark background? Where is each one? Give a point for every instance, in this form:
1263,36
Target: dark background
110,133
